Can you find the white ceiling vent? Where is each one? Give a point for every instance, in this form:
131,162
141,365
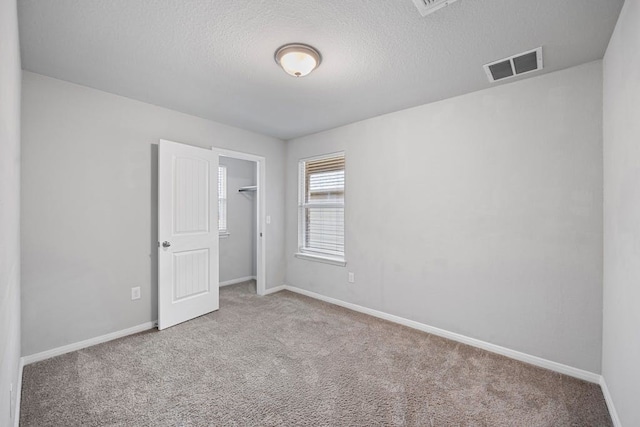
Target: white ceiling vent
515,65
429,6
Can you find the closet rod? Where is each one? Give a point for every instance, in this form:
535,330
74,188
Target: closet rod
249,188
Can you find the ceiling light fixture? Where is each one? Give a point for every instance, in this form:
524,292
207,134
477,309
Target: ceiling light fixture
297,59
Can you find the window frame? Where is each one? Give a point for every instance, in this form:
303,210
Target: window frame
328,257
223,201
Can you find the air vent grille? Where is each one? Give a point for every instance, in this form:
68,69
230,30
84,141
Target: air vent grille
426,7
515,65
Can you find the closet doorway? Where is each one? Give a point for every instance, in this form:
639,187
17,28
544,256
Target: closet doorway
242,218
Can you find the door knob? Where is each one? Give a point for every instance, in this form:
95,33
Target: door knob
166,244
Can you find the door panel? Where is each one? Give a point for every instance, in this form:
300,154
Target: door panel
187,233
191,273
191,189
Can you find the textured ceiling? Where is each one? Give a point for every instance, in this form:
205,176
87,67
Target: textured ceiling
214,58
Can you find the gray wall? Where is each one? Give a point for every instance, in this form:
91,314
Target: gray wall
9,207
621,339
89,202
238,249
481,215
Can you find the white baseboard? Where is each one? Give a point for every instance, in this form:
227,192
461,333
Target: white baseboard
37,357
610,405
16,409
513,354
238,280
274,290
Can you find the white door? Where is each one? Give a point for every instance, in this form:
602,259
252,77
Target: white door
187,233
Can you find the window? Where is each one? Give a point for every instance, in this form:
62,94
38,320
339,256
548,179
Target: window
321,208
222,199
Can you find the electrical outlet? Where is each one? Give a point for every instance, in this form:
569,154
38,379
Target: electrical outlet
135,293
352,277
268,219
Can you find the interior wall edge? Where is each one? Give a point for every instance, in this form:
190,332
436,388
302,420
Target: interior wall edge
10,210
621,206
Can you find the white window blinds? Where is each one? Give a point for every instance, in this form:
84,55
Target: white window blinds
321,206
222,199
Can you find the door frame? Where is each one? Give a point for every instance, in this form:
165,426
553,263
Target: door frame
261,214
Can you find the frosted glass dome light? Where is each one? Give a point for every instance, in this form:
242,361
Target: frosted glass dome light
298,60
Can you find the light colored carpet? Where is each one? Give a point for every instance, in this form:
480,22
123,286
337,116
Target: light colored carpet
288,360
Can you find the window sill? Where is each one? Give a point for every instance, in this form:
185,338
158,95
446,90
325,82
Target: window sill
223,234
320,258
